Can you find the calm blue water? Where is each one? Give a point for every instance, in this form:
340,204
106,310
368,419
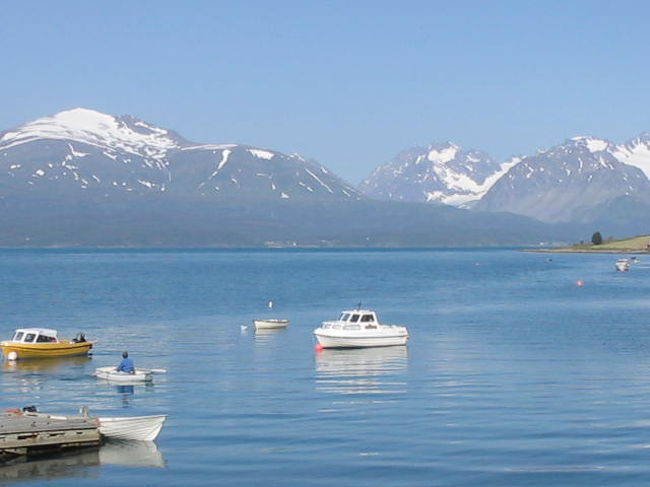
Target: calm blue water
513,376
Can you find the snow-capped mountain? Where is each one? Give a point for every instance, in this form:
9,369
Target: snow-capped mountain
441,173
565,182
87,151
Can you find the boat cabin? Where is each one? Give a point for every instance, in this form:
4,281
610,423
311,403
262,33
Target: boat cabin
354,320
35,335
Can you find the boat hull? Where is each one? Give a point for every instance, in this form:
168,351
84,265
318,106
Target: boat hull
112,375
270,324
340,340
45,350
140,428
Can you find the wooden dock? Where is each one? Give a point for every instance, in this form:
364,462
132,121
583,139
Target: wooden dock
25,434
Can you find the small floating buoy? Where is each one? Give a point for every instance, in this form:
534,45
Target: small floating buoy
580,283
270,304
12,356
318,347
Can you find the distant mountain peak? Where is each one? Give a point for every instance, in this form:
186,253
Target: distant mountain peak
564,182
440,172
442,153
592,144
91,127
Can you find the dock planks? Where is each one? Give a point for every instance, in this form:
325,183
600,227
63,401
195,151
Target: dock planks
27,434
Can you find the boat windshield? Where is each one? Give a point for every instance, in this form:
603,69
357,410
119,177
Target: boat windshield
30,338
18,336
45,339
344,317
367,319
354,319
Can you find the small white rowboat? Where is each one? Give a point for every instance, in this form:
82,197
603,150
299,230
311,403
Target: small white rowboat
133,428
142,428
140,375
270,324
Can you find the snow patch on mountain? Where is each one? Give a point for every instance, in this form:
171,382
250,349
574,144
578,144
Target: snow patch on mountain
97,129
213,147
261,154
635,152
441,156
592,144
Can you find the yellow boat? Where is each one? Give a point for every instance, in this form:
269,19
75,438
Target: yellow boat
42,343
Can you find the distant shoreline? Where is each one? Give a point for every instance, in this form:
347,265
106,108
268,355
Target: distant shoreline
586,251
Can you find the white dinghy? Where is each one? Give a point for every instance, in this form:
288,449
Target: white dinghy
270,324
140,428
139,375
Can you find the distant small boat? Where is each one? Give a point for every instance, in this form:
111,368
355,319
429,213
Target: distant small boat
140,428
270,324
140,375
622,265
43,343
359,328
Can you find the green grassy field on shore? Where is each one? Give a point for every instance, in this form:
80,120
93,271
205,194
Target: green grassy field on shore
639,244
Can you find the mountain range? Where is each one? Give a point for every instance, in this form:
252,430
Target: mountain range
579,180
84,150
85,178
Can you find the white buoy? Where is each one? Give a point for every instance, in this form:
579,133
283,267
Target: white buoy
12,356
270,304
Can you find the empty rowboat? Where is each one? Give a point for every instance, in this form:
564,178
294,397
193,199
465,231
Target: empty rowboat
141,428
270,324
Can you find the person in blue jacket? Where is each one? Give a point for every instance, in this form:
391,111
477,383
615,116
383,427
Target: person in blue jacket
126,365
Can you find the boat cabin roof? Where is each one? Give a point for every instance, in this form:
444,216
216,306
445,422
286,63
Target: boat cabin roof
38,331
358,311
358,315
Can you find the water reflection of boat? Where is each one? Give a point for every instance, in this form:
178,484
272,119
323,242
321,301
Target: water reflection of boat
265,335
81,464
362,371
131,454
44,365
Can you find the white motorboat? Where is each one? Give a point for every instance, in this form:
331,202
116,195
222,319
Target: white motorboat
139,375
357,329
622,265
140,428
269,324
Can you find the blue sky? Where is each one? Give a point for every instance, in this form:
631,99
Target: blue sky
348,83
